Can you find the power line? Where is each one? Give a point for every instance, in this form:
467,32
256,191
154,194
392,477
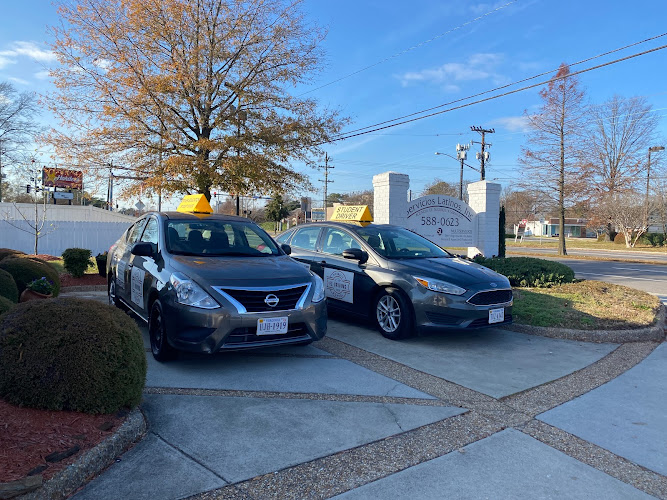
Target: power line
504,94
512,84
414,47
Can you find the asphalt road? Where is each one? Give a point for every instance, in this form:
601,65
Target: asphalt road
651,278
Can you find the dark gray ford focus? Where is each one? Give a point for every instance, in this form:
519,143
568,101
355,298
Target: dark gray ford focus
207,283
399,279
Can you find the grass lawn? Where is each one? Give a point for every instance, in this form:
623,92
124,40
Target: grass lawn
586,305
585,243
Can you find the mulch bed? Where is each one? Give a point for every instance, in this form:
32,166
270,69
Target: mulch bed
32,439
44,442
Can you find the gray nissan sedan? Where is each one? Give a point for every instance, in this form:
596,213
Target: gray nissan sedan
207,283
400,280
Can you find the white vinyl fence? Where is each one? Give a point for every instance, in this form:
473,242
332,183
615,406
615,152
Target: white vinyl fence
65,227
58,236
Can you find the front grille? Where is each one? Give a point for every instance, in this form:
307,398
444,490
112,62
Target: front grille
491,297
247,336
253,300
485,322
442,319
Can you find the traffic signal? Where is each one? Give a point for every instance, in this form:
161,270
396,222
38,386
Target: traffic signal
27,188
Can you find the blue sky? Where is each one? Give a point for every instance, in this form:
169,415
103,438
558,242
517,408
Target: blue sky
424,53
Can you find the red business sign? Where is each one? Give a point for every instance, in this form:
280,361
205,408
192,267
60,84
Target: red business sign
59,177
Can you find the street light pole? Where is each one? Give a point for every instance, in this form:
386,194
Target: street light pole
653,149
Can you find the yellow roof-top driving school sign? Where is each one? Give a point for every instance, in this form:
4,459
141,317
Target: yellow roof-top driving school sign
352,213
195,204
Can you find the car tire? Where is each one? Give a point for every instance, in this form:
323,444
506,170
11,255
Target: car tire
393,315
111,294
157,332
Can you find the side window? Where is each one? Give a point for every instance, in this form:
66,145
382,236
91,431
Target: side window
284,237
136,231
150,233
306,238
336,240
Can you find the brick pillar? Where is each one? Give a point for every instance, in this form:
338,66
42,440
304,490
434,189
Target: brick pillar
484,199
390,198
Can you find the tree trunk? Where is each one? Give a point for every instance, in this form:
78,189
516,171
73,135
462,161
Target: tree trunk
561,186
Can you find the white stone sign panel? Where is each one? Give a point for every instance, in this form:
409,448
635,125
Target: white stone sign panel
446,221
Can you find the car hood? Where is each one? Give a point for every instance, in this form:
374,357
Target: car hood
456,271
241,271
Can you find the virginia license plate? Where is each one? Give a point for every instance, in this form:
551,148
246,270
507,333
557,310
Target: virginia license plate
496,315
272,326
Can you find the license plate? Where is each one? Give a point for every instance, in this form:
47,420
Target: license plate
272,326
496,315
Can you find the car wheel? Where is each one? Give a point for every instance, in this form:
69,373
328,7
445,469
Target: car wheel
393,316
157,332
111,293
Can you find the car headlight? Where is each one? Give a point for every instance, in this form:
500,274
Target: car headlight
440,286
318,292
190,293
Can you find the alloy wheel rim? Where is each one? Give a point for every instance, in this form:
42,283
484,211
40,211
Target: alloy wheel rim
156,333
112,293
388,313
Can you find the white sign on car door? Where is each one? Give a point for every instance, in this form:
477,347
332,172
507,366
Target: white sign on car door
444,220
338,284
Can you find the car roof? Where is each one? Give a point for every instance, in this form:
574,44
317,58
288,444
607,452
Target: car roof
352,226
202,217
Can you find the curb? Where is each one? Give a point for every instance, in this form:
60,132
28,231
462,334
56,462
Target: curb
650,333
84,288
92,462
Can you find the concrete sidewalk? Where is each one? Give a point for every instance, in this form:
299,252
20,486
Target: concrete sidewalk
490,414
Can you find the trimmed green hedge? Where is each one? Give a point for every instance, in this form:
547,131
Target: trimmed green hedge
8,288
71,354
76,261
8,252
25,270
529,272
5,304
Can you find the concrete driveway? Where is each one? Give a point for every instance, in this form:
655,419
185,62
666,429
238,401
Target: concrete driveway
490,414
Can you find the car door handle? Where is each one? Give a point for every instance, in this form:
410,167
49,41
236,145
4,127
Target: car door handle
322,262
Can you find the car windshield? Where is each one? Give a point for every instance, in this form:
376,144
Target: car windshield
218,237
399,243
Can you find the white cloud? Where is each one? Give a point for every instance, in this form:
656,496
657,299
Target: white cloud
478,67
513,123
483,8
20,81
42,75
25,49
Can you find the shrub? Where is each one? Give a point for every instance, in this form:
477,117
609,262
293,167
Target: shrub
5,304
653,239
41,285
602,237
71,354
8,287
619,239
26,270
8,252
76,261
529,272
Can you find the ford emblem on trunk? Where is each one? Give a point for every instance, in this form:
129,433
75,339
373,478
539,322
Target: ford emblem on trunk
271,300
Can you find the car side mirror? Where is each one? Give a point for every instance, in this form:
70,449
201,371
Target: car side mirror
355,254
143,249
286,248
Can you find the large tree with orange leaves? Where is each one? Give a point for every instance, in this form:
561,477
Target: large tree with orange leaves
187,95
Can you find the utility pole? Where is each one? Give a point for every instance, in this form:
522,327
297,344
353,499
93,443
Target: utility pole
483,157
653,149
326,181
461,154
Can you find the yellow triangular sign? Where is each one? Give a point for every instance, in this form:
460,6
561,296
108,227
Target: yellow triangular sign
357,213
195,204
